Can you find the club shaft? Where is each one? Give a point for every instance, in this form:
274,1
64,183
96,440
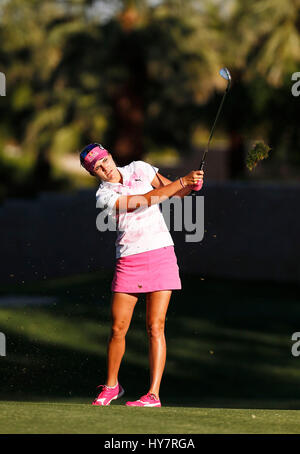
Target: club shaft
212,130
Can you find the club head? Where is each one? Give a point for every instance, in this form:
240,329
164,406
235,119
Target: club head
224,72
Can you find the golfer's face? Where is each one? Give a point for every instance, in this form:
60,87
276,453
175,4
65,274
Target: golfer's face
105,168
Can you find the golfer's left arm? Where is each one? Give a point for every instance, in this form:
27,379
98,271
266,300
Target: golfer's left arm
159,181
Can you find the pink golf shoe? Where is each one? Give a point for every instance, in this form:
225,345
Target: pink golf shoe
149,400
108,394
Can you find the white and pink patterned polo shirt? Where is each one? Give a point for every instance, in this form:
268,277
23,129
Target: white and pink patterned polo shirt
144,229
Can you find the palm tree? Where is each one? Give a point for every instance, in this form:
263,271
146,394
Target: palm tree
264,36
262,47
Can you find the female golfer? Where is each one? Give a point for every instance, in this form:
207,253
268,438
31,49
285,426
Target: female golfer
145,259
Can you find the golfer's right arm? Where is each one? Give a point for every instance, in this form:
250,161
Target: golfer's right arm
130,203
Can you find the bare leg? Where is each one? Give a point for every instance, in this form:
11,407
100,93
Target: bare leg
122,307
157,306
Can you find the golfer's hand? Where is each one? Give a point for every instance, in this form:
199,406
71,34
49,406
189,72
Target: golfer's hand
193,178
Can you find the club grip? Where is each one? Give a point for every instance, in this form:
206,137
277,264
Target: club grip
198,186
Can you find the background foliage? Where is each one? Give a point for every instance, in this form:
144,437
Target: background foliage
142,77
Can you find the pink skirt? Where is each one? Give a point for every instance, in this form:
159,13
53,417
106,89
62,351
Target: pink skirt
147,272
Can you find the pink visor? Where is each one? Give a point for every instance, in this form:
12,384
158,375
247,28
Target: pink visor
92,157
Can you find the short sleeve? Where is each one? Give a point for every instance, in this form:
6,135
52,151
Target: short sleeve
106,199
147,169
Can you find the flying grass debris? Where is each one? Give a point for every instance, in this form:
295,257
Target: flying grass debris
258,152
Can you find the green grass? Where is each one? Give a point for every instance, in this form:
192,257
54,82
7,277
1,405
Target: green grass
70,418
228,351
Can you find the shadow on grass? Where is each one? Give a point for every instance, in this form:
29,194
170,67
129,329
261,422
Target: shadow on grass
228,344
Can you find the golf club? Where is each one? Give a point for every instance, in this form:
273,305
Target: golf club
224,72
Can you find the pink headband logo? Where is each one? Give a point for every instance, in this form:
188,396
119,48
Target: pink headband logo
93,156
